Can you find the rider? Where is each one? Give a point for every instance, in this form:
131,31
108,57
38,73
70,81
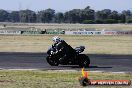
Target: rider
57,43
60,45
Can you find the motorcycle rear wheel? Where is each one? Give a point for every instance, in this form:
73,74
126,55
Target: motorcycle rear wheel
52,61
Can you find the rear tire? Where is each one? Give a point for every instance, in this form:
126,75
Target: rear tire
84,60
52,61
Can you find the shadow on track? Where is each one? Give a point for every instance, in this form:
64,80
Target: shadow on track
85,67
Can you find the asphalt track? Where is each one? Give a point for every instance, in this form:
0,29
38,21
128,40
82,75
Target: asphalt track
99,62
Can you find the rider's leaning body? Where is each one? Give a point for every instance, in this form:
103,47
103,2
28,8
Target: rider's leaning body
60,45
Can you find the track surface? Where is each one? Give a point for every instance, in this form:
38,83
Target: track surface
116,63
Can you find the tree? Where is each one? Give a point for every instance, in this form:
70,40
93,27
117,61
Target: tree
114,15
110,21
59,17
73,16
14,16
46,16
87,14
88,22
67,18
121,18
27,16
79,15
99,21
127,15
103,14
3,15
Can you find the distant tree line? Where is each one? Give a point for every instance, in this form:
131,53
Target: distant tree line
85,16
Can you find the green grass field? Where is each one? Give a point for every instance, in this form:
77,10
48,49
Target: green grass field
54,79
93,44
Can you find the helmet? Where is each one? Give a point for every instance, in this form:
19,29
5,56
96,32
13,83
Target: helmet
56,39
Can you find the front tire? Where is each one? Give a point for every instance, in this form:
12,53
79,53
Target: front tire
52,61
84,60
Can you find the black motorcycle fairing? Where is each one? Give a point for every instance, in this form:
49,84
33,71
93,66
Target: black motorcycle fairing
50,49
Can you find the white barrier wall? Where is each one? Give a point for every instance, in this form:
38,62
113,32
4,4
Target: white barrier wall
109,33
124,32
98,32
11,32
83,32
17,32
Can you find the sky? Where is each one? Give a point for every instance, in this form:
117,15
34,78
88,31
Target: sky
65,5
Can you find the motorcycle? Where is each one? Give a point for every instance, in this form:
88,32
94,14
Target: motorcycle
54,56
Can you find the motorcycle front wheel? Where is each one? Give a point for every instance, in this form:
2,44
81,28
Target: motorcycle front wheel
84,60
52,61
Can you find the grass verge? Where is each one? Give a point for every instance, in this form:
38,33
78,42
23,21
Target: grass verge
93,44
54,79
69,26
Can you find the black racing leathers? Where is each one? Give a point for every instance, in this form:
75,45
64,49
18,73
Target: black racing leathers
68,51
